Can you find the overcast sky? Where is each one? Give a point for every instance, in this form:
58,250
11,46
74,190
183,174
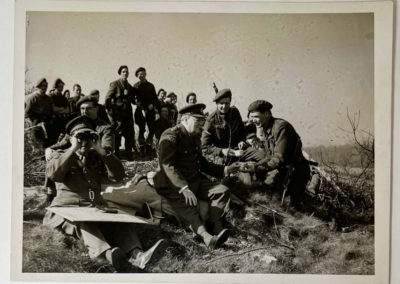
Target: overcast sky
311,67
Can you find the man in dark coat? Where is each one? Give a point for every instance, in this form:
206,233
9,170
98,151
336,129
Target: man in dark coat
77,94
147,102
101,109
38,112
283,160
170,101
118,103
163,123
224,129
181,182
61,111
79,172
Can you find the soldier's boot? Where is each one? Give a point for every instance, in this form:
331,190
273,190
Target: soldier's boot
118,259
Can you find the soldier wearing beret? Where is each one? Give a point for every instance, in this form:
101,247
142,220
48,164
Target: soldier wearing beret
283,160
181,181
118,103
224,129
148,102
79,172
38,112
61,110
170,102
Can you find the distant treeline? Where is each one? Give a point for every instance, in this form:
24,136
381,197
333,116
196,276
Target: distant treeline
342,155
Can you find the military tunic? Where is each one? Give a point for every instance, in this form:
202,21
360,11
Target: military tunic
118,102
222,131
75,177
38,108
182,164
282,147
146,95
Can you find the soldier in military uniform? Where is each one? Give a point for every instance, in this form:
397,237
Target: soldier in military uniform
88,107
118,103
38,112
147,101
181,182
61,111
170,101
77,94
79,172
224,129
163,123
282,158
101,109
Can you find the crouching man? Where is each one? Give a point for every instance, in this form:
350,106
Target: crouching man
181,182
78,173
280,156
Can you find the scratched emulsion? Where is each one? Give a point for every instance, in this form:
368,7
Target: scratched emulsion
312,68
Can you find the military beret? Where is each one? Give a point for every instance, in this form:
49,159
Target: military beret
139,70
259,105
122,67
40,82
189,95
94,92
171,94
85,99
58,81
224,93
80,123
195,110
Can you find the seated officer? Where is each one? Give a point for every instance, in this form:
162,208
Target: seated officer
224,129
282,158
181,182
78,173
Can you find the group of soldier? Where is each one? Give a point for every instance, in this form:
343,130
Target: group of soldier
82,139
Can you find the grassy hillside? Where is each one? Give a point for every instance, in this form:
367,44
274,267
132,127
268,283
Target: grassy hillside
266,238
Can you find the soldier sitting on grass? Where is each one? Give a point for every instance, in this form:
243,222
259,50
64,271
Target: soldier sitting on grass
78,173
181,181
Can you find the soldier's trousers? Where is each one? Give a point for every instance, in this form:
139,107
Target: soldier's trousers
126,130
141,121
218,205
99,237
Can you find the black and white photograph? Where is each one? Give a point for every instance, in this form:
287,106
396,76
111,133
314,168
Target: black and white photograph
203,141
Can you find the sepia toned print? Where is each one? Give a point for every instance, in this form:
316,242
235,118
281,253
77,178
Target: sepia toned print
224,143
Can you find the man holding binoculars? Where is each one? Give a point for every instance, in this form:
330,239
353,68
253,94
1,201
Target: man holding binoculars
78,173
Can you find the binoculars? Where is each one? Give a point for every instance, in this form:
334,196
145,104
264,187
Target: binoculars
87,135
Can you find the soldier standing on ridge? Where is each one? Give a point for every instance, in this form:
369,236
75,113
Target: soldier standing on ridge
118,103
38,112
147,101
